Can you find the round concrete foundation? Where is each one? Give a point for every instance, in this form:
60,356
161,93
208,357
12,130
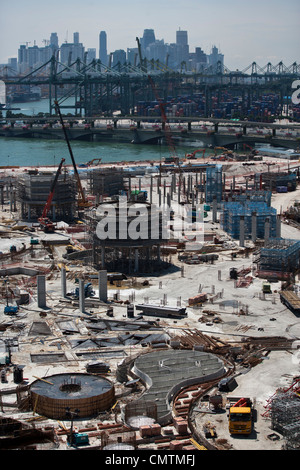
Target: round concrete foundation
87,394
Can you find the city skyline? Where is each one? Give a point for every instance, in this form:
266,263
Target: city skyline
265,31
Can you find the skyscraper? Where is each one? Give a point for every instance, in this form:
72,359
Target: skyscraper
103,47
76,38
148,38
181,38
54,40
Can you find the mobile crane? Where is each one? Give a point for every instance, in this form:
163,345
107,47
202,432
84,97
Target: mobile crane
45,223
82,202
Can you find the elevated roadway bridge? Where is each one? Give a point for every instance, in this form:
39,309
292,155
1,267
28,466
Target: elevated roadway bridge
142,130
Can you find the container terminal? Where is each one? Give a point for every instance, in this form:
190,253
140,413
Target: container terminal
182,337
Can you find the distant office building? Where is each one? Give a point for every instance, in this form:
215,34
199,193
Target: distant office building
103,48
91,55
76,38
119,57
22,56
13,63
181,38
70,52
214,57
132,56
148,38
54,40
157,51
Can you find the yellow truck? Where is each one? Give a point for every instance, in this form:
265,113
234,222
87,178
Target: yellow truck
241,416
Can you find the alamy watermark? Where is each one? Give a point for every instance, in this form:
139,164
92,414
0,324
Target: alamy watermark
134,221
296,93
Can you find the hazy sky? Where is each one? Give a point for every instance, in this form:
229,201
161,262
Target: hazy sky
244,30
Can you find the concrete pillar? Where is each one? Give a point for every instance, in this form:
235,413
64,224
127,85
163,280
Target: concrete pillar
151,188
278,227
242,231
254,226
102,285
136,260
41,291
63,282
214,209
267,230
81,296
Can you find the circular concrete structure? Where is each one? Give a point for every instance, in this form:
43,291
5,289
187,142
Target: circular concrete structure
87,394
166,372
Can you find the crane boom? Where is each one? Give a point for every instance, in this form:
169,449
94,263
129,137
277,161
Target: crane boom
164,119
82,201
44,221
50,197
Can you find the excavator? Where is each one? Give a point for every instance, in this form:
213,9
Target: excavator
45,223
192,155
82,202
223,157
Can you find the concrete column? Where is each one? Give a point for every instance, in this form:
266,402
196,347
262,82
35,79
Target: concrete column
41,291
267,229
102,285
136,260
63,283
168,200
151,189
214,209
278,227
254,227
81,296
242,231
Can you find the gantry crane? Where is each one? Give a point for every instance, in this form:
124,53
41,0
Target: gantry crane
45,223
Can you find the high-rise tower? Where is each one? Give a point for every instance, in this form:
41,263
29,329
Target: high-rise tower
103,47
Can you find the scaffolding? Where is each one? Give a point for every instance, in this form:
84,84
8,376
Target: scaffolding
253,196
214,184
284,408
279,255
233,211
33,192
106,182
272,181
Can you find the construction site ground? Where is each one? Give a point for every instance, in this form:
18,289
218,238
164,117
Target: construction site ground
232,316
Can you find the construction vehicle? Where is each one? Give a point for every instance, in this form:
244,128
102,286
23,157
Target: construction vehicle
240,416
266,288
88,291
45,223
192,155
95,161
11,309
82,202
